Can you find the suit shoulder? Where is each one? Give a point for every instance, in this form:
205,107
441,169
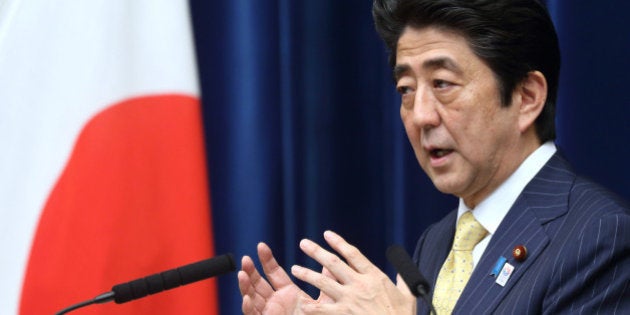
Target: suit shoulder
586,195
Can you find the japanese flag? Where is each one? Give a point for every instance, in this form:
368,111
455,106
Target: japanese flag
102,171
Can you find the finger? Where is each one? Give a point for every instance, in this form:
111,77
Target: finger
254,283
324,283
276,275
253,303
353,256
337,267
328,274
248,306
244,284
323,297
255,294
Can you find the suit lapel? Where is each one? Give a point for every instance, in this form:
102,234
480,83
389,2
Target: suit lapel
544,199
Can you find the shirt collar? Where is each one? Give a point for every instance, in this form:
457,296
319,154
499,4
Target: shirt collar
491,211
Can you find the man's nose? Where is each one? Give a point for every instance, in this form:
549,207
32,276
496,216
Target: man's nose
425,113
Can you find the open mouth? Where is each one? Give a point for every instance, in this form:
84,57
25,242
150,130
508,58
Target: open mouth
438,153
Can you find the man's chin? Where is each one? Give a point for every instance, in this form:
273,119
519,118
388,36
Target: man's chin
446,185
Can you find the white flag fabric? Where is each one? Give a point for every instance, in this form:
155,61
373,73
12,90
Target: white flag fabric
102,171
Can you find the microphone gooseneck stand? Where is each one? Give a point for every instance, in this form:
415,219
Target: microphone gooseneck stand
159,282
103,298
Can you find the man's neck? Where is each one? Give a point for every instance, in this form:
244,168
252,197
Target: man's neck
521,151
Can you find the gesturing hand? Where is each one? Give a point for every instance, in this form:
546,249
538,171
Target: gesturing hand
355,287
277,296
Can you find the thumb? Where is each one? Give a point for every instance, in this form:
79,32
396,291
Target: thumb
404,290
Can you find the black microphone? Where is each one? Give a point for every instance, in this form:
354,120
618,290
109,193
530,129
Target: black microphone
409,272
165,280
403,264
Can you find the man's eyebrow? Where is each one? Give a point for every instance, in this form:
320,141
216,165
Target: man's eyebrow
399,70
430,64
441,63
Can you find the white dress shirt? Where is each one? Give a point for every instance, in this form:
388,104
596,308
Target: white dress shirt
491,211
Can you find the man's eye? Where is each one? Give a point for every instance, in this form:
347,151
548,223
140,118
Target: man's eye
403,90
441,84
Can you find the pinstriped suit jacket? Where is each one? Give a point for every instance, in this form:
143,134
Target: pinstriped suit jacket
577,236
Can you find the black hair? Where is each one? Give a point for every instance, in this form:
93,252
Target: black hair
513,37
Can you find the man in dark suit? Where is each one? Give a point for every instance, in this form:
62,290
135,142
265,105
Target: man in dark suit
478,81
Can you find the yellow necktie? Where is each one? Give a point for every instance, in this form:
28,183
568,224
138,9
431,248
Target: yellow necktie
458,265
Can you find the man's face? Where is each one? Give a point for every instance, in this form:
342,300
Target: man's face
463,138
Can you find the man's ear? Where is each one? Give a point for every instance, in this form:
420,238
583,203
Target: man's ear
532,92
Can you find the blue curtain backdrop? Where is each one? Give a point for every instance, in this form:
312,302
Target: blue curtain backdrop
304,135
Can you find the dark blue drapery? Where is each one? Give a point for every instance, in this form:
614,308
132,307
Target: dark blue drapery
304,134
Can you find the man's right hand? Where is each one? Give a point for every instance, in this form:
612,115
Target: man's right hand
277,295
